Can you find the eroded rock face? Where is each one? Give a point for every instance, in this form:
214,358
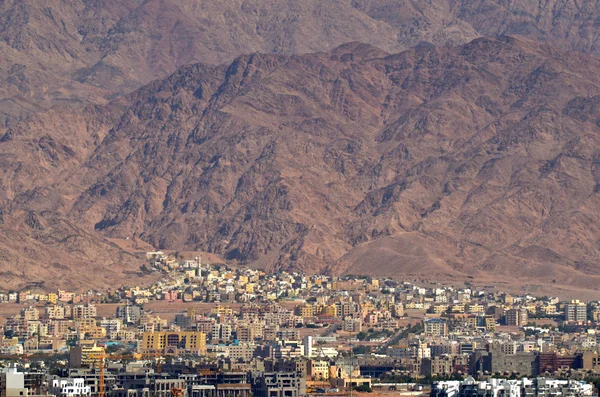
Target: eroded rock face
87,51
475,159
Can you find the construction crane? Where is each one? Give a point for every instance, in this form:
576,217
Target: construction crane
101,358
176,392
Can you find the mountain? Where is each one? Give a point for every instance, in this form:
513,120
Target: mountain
88,51
439,161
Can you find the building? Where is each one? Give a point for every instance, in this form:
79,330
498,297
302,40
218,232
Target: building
576,312
435,327
57,312
279,384
221,332
84,311
112,326
238,352
551,362
318,369
495,360
30,314
12,383
70,387
352,325
129,314
87,354
308,345
305,311
287,334
437,366
234,390
537,387
174,341
517,317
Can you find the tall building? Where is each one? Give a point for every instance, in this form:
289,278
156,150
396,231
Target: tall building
307,342
221,332
516,317
576,311
161,341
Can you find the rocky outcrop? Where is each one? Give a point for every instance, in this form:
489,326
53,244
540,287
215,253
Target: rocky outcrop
479,159
88,51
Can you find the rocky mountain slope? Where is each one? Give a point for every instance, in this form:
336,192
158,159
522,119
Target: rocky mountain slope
479,159
87,51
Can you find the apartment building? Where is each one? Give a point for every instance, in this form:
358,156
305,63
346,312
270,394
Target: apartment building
161,341
84,311
517,317
435,327
576,312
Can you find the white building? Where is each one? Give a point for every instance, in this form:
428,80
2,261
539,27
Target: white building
112,326
69,387
538,387
14,382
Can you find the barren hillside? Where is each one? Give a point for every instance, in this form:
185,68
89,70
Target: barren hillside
479,159
87,51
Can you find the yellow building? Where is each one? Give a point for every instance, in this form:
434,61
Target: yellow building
88,327
439,309
85,324
549,310
305,310
367,307
490,323
87,354
595,315
222,310
9,341
475,308
318,369
159,341
330,310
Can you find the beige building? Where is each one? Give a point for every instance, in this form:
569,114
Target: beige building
318,369
84,311
576,311
161,341
435,327
30,314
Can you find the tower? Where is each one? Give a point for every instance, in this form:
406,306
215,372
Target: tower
308,350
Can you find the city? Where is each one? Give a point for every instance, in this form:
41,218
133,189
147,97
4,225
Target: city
299,198
215,331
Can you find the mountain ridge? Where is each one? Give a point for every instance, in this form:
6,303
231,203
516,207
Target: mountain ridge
86,51
447,161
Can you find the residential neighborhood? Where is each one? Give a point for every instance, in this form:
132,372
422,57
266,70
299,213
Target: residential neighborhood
215,331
